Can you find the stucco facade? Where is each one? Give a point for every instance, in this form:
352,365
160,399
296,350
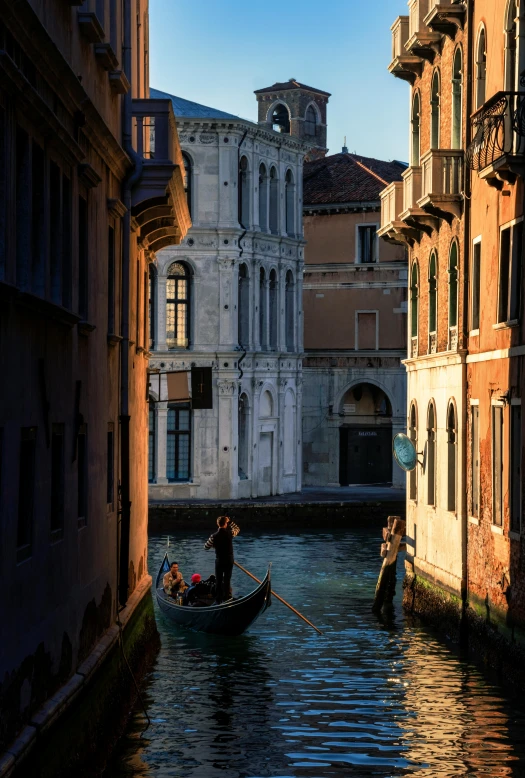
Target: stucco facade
74,251
355,304
243,260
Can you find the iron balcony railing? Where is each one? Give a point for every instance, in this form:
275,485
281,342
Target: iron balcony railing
498,129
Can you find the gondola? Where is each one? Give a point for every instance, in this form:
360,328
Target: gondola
229,618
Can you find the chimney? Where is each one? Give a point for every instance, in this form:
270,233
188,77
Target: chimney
344,150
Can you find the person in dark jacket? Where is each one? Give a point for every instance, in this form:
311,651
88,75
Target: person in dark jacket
222,542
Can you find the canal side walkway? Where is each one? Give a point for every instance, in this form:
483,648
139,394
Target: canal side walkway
313,507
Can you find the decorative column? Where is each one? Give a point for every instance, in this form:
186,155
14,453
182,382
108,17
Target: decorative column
227,307
254,456
282,199
161,314
257,302
227,182
281,308
299,432
265,344
228,433
299,318
161,440
280,434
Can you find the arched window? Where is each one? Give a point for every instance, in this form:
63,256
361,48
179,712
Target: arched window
152,441
274,310
481,68
274,202
414,307
457,99
431,455
263,308
412,433
178,443
177,306
289,300
266,405
451,457
152,307
289,434
414,161
289,190
244,194
453,286
281,119
243,307
435,112
244,431
432,303
263,198
187,178
310,122
511,47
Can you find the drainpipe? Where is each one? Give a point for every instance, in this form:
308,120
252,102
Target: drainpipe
466,266
131,178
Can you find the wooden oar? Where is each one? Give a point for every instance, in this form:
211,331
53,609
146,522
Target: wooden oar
279,598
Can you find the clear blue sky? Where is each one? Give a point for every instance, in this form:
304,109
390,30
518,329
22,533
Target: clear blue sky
217,53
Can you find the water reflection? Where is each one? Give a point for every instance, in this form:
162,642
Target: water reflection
369,698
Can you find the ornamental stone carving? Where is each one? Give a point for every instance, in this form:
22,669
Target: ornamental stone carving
207,138
226,388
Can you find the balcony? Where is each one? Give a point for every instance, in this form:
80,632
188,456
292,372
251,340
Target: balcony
442,183
392,229
422,42
159,203
413,215
446,17
403,65
497,151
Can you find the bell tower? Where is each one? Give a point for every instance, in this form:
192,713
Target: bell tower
295,109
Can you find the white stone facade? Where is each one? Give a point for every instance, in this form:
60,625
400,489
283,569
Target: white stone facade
244,262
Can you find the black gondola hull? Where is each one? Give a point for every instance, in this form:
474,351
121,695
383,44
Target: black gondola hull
230,618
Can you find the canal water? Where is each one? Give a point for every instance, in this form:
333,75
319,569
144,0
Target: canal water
371,697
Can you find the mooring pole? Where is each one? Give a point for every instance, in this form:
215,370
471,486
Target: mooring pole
386,582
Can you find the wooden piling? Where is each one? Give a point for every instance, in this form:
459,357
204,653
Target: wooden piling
386,583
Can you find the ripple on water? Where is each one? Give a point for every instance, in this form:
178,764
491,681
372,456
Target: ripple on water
368,698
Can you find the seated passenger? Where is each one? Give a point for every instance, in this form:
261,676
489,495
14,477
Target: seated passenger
199,593
173,582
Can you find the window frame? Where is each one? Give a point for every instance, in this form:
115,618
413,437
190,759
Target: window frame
500,407
176,302
475,289
373,227
177,434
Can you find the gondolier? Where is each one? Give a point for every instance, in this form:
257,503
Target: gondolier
222,542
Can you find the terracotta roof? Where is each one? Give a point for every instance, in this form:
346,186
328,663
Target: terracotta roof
280,86
347,178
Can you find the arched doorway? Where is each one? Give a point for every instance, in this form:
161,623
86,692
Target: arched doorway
365,436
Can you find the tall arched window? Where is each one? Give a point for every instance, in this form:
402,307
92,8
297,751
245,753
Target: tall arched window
263,315
289,193
263,198
414,160
243,307
244,429
274,310
281,119
435,112
414,308
152,441
451,457
457,99
432,303
274,201
177,306
187,178
481,68
244,194
412,433
431,455
289,296
310,122
453,286
152,308
511,47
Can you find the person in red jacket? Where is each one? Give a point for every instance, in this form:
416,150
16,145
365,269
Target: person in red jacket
222,542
